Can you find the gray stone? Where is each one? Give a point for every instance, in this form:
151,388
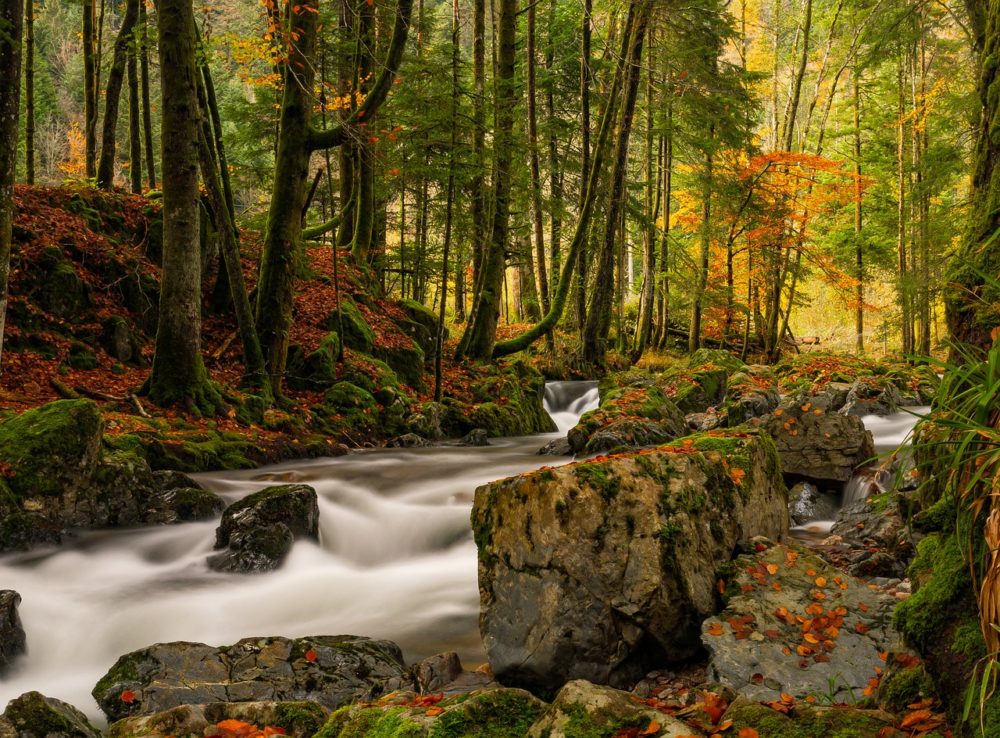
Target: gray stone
799,626
435,672
33,715
12,638
330,670
259,530
408,440
817,444
475,437
806,502
872,396
556,447
600,569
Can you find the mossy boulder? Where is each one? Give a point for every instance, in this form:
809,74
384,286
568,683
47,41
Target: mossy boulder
60,290
259,530
330,670
695,390
599,570
357,334
491,713
808,721
52,448
628,418
704,357
316,369
34,715
406,359
421,325
370,374
12,638
508,401
299,719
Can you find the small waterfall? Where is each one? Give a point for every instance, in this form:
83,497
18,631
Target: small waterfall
565,402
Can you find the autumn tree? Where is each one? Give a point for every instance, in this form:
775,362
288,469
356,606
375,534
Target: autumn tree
11,21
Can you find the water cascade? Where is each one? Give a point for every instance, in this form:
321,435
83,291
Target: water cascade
395,560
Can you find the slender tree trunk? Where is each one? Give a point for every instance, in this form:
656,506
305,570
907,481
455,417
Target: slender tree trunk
901,263
365,207
11,23
178,374
595,331
90,88
486,312
555,170
647,296
106,167
29,91
134,120
147,115
535,169
788,127
586,77
668,165
701,280
480,218
858,224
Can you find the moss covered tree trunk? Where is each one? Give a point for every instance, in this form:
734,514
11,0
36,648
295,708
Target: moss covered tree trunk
134,120
11,20
90,87
29,91
178,374
478,344
147,114
113,93
972,298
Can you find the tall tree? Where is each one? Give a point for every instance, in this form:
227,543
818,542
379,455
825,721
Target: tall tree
178,374
90,87
29,91
147,111
112,96
11,21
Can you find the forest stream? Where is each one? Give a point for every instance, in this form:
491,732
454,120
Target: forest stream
396,560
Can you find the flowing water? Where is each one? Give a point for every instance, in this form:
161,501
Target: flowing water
395,560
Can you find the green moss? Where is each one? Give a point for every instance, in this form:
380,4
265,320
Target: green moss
303,719
599,476
942,578
492,714
597,724
35,716
406,360
968,640
358,335
347,396
807,722
370,722
901,688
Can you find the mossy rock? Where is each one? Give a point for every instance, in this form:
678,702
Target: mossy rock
715,357
406,361
807,721
51,448
421,325
36,716
358,335
369,374
59,289
903,687
695,390
345,396
315,370
628,417
81,356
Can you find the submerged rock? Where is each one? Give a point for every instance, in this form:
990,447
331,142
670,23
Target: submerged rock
795,624
597,570
475,437
259,530
12,639
408,440
817,444
33,715
330,670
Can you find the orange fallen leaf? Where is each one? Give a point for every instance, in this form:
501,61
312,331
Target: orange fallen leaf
434,711
748,733
652,729
128,696
715,629
820,581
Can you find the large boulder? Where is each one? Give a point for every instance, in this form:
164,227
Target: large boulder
872,396
12,639
259,530
599,569
795,624
33,715
632,417
330,670
299,719
817,444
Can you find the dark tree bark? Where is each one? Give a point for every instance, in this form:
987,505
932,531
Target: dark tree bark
134,120
178,374
11,22
481,332
90,87
595,332
147,114
29,91
586,76
106,167
536,178
859,263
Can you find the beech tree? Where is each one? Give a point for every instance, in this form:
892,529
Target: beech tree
11,20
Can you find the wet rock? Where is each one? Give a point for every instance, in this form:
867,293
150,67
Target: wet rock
426,420
600,569
408,440
180,499
33,715
330,670
12,639
876,525
556,447
807,502
582,708
475,437
797,625
706,421
298,719
434,672
816,444
632,417
260,529
872,396
744,403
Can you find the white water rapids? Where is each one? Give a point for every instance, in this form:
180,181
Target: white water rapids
395,560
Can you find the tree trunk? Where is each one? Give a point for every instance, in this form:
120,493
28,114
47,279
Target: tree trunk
901,264
595,333
134,120
29,91
147,115
106,167
668,165
11,21
586,77
89,88
788,126
858,224
555,170
536,178
178,374
647,297
701,280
